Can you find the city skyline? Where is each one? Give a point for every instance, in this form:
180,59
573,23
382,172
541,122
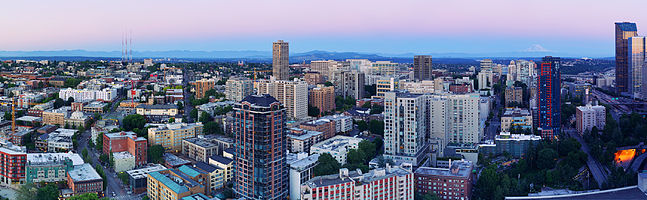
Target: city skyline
578,28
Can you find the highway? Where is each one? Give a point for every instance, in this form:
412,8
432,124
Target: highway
600,173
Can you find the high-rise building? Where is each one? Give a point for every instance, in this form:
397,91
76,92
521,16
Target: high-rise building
624,31
463,124
238,88
486,65
323,98
349,83
385,68
549,102
513,95
281,60
637,73
292,94
385,85
260,148
590,116
405,115
422,67
202,86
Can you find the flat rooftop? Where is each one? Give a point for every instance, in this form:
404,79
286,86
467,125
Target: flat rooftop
464,170
201,142
631,192
173,160
84,172
142,172
46,158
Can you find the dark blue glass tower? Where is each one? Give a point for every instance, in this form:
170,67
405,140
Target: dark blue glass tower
549,83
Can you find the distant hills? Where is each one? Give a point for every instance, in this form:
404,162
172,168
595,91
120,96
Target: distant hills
262,56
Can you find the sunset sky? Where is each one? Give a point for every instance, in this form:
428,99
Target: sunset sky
581,27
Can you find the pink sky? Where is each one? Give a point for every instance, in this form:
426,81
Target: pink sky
201,24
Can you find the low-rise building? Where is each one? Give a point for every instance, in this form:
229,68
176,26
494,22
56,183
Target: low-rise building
171,184
60,140
516,118
301,170
198,148
343,123
380,184
198,175
56,116
337,146
216,175
590,116
515,144
84,179
227,164
300,140
157,113
127,142
50,167
123,161
95,107
170,136
327,127
454,182
138,177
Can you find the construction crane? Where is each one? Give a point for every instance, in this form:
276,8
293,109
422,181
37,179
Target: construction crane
13,114
255,72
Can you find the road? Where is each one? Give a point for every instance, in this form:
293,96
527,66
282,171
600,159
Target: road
495,123
113,183
600,173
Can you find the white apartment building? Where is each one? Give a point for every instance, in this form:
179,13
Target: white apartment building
238,88
590,116
337,146
301,169
79,95
384,68
418,87
405,116
379,184
343,123
292,94
463,121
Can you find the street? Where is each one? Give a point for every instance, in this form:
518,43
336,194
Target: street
495,123
599,172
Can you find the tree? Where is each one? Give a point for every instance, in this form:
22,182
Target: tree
156,154
84,152
69,101
377,109
86,196
131,122
27,192
376,127
355,156
212,128
366,105
327,165
362,125
180,105
368,148
328,84
547,158
194,113
59,103
7,115
205,117
104,158
313,111
49,192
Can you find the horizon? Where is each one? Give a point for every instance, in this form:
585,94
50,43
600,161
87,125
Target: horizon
576,28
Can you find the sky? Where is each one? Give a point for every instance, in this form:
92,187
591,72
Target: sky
574,27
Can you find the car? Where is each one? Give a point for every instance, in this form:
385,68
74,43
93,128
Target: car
113,194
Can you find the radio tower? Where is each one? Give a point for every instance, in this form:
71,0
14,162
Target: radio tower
127,47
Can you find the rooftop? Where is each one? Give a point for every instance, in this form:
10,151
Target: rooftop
201,142
264,100
9,148
306,134
129,134
221,159
464,169
176,184
198,196
516,137
173,160
177,126
190,171
84,172
206,167
631,192
157,106
302,163
142,172
122,155
336,142
47,158
627,26
515,112
350,176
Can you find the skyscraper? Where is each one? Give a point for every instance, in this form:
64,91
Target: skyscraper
292,94
405,127
260,148
422,67
636,47
624,30
548,81
281,60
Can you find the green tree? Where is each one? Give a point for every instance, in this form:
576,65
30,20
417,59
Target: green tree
356,156
368,148
59,103
131,122
362,125
69,101
26,192
327,165
171,120
156,154
212,128
313,111
194,113
366,105
84,152
104,158
376,127
180,105
86,196
49,192
547,158
205,117
328,84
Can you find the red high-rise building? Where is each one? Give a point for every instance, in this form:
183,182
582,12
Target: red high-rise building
13,160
